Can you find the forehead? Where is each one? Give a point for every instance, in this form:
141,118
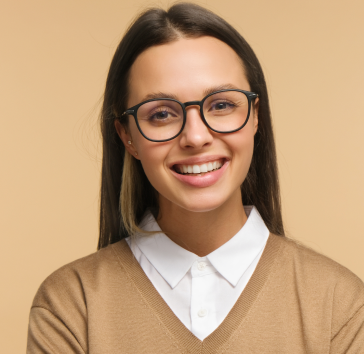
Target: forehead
185,68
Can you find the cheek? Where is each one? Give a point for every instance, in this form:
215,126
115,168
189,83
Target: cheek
152,157
150,154
242,146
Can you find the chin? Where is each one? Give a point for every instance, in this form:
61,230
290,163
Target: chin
200,204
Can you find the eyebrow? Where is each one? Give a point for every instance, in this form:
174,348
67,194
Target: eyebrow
220,87
156,95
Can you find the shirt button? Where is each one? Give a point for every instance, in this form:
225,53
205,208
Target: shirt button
202,313
201,265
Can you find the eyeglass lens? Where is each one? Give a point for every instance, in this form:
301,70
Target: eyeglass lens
223,111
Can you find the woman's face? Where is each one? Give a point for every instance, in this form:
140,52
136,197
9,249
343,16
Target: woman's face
186,69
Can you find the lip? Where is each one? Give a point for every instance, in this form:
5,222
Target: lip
208,179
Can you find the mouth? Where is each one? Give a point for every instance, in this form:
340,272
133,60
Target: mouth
199,169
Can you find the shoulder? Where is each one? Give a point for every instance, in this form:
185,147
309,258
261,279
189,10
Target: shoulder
320,280
75,279
318,267
74,297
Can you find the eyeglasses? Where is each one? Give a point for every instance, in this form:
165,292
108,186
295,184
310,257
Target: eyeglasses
163,119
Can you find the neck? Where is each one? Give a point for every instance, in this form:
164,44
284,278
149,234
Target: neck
202,232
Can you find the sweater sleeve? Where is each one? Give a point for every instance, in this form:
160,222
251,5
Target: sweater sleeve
48,334
350,339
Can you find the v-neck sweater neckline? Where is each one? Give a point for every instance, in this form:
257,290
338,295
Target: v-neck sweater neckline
178,332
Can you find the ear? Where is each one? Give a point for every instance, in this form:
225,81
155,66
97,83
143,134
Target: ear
255,114
125,138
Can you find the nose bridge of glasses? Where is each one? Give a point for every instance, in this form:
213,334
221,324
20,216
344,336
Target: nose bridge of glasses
192,103
196,131
198,106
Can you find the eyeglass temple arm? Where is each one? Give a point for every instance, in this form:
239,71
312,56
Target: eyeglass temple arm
129,111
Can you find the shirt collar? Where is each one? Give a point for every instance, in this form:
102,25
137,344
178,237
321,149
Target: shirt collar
170,260
234,257
231,260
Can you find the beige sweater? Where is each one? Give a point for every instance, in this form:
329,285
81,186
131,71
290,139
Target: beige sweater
297,301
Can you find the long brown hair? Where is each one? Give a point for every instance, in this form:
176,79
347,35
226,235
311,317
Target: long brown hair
123,177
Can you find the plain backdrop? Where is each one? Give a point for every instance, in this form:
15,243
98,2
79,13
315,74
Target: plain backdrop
54,61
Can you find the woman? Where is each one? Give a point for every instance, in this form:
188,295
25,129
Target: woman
192,254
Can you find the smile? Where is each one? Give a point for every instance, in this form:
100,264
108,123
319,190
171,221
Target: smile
201,174
199,169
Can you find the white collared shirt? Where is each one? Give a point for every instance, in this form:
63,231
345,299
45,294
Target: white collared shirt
200,291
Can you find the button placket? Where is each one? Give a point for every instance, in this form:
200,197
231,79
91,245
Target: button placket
199,307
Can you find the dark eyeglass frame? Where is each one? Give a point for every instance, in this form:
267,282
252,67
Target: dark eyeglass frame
133,111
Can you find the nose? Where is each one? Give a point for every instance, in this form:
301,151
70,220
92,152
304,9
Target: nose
195,134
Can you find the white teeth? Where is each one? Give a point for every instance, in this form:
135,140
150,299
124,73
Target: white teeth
203,168
196,169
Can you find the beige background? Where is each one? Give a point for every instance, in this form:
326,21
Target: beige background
54,60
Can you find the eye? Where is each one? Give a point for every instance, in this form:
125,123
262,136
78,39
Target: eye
161,114
220,105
